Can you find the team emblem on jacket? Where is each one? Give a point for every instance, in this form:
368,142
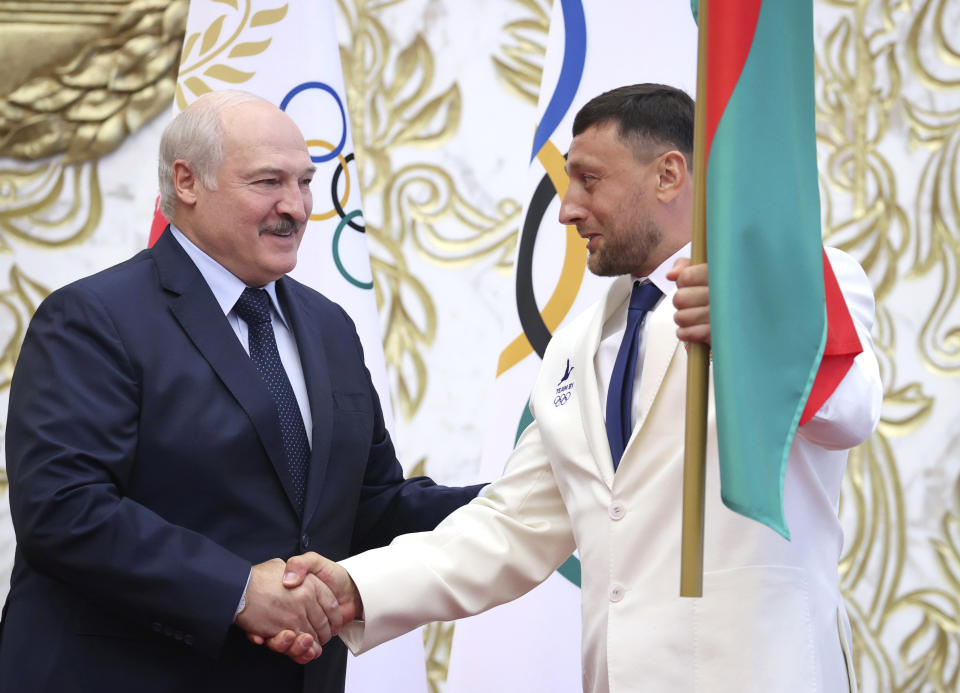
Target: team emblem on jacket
564,388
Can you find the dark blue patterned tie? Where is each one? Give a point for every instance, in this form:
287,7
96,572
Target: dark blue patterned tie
620,395
253,307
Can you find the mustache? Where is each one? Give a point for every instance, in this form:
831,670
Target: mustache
283,226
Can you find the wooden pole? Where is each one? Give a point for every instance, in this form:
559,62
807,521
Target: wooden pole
695,435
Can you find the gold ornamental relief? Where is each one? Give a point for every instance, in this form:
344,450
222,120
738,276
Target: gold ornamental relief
931,650
106,69
50,204
396,106
422,198
118,73
17,305
112,85
870,62
520,62
438,645
933,56
937,205
858,83
437,637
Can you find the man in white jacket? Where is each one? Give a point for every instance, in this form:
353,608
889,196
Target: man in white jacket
772,617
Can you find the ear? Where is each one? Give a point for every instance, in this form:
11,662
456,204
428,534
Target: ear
672,175
185,183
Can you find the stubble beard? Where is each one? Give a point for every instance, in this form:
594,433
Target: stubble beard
627,252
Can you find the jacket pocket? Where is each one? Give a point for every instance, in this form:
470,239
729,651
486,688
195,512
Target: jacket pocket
753,632
351,401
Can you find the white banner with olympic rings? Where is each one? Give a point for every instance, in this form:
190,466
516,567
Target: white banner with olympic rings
287,53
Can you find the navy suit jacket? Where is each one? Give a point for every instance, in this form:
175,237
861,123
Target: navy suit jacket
147,474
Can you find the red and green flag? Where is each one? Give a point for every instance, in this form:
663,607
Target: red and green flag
782,337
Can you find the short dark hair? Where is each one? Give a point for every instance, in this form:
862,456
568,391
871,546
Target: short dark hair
643,112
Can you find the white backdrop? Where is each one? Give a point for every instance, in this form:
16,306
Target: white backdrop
888,95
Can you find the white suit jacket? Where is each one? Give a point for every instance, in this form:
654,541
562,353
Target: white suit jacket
771,618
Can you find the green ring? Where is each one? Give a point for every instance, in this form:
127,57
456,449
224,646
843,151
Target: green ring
336,252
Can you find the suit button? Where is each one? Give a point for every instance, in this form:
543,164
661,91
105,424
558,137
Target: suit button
168,631
617,511
188,640
305,541
616,593
157,628
178,636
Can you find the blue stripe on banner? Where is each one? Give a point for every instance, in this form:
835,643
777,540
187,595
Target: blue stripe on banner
574,57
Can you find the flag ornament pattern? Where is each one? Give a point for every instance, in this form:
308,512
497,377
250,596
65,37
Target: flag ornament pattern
782,337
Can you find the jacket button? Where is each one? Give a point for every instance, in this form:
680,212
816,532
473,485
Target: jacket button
617,511
616,593
305,541
188,640
157,627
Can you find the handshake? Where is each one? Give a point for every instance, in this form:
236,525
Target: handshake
296,607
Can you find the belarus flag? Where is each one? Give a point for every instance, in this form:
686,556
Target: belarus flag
782,337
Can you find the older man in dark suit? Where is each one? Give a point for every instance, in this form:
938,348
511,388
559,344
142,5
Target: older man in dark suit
183,421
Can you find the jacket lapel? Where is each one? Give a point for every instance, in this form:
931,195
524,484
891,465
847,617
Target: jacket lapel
306,324
661,345
195,308
591,405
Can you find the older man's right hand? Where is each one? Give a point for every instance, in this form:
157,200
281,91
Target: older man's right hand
297,620
300,570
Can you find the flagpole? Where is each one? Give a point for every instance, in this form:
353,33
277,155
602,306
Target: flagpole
695,435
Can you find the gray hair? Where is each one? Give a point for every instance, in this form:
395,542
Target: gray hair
195,136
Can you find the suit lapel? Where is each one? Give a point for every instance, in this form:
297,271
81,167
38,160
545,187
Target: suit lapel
195,308
307,324
592,407
661,345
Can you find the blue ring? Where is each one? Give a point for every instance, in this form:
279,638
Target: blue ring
343,116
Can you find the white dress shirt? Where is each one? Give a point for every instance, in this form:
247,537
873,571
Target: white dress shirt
226,288
614,328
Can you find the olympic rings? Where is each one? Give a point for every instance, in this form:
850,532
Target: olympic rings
336,252
339,201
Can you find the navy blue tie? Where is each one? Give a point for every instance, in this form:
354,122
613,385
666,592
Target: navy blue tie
253,307
620,395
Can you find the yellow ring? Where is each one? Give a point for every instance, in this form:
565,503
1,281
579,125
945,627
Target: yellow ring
346,188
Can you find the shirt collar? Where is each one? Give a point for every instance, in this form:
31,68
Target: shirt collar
659,276
226,287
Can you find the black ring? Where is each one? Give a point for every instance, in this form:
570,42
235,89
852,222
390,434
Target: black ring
333,195
530,319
